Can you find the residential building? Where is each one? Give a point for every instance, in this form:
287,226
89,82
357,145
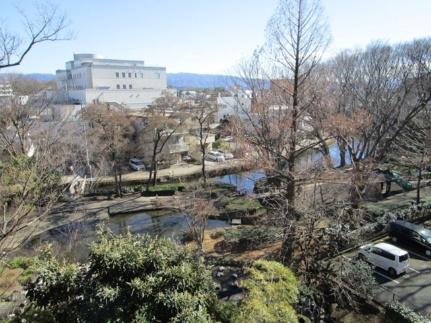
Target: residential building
182,143
90,78
237,103
5,90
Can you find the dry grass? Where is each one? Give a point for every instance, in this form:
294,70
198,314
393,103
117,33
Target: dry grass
209,248
350,317
9,281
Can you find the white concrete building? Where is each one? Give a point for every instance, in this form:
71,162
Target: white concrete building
238,103
90,78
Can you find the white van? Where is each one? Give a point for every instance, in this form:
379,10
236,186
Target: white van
386,256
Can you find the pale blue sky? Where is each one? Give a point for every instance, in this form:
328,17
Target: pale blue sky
206,36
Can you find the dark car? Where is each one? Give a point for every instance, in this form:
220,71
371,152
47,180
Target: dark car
410,232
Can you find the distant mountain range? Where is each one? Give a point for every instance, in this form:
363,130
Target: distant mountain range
176,80
208,81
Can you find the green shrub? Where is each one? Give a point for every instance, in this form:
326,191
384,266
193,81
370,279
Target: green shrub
231,203
20,262
399,313
225,311
250,237
271,292
126,279
24,263
220,144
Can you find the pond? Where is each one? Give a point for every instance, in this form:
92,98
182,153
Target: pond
243,182
72,241
315,157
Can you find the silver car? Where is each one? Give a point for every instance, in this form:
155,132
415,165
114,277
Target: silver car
215,156
136,164
227,155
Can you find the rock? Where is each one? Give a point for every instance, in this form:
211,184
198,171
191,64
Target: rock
234,284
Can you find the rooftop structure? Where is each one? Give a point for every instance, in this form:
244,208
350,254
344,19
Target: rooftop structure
90,78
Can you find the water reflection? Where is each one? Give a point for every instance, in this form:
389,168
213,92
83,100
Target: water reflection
315,158
244,182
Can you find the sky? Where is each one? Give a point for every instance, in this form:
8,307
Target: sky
204,36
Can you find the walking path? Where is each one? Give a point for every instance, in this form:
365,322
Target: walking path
399,201
175,171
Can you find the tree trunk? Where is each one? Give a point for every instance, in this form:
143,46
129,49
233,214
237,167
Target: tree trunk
152,175
120,182
155,173
204,175
116,178
418,188
342,148
356,184
326,154
288,246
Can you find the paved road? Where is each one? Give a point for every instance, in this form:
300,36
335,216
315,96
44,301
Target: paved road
412,288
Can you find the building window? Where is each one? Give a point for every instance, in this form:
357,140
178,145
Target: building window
118,86
123,74
117,75
130,86
157,75
136,75
124,86
130,74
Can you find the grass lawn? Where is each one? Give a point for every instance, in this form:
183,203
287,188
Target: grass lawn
233,203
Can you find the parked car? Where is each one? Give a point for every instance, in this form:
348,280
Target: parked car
136,164
187,159
386,256
410,232
215,156
227,155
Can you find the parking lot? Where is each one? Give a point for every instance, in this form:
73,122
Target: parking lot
412,288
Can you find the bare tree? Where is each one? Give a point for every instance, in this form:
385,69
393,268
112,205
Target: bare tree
412,148
111,130
204,116
321,108
47,25
164,119
391,84
377,93
297,35
198,207
32,159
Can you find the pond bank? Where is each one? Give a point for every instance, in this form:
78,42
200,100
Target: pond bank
175,172
71,241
